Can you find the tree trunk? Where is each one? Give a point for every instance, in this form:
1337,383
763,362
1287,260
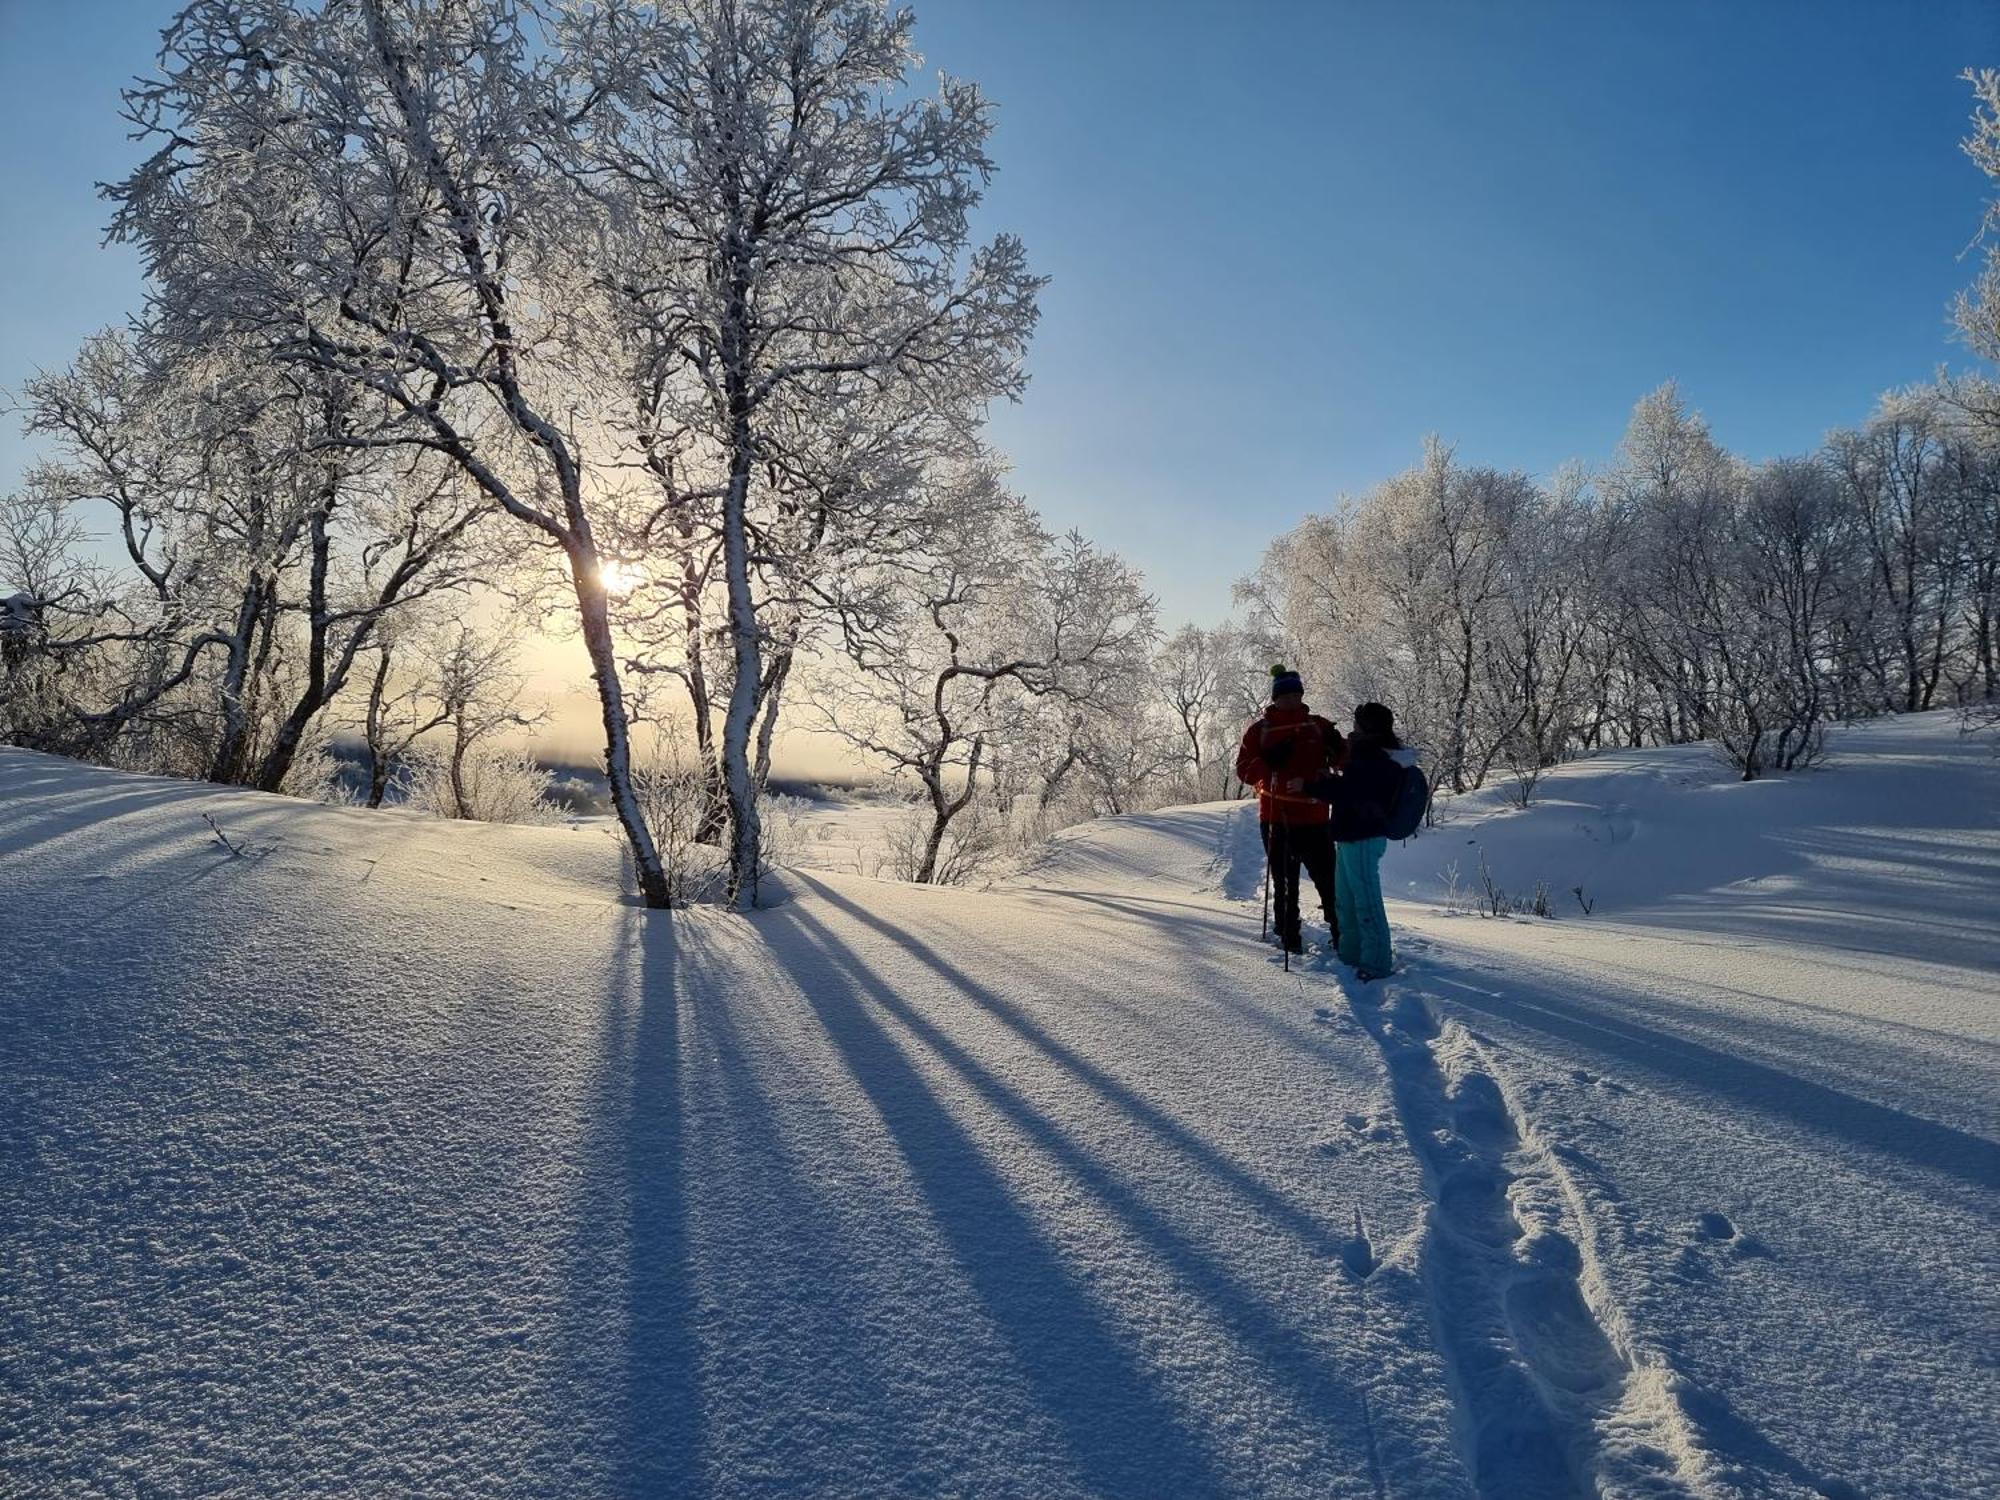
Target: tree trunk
227,765
1989,678
746,837
943,810
927,872
378,752
461,805
594,611
318,691
767,723
715,797
1052,784
1458,713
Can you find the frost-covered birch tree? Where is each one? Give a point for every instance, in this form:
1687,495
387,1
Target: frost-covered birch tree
365,190
260,552
1191,670
789,221
997,616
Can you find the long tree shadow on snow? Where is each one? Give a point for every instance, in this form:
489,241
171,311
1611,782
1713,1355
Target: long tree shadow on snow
791,1301
1760,1087
633,1378
1122,1432
1228,930
1321,1237
967,1192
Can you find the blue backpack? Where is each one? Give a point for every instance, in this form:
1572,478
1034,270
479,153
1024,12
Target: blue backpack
1406,811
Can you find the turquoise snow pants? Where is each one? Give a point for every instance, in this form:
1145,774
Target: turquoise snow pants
1364,922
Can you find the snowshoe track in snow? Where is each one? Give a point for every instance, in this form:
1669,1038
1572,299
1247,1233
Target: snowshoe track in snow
1553,1401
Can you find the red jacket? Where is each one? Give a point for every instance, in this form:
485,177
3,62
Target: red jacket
1314,750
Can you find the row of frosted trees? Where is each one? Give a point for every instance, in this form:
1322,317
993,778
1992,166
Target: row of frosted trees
1678,594
659,323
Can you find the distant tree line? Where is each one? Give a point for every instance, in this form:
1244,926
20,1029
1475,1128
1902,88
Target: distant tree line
1679,594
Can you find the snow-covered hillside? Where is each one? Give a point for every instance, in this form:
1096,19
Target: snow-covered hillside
394,1157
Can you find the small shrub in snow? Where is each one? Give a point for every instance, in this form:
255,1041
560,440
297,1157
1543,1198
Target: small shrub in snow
235,849
487,785
1541,904
681,808
1974,718
1527,776
1454,891
1497,901
317,775
972,844
1031,823
782,818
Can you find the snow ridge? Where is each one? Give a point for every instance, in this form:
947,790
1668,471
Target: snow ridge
1554,1398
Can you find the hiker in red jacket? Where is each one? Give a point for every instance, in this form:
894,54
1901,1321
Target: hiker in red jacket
1287,745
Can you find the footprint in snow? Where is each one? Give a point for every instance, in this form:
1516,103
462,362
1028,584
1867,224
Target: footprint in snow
1479,1112
1357,1255
1583,1076
1473,1199
1719,1230
1369,1127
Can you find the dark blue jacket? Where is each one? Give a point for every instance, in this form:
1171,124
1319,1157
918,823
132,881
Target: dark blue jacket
1365,789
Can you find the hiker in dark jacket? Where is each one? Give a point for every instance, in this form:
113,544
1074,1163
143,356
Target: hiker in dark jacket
1285,746
1359,800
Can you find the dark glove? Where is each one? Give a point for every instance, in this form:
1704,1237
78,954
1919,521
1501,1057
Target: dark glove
1322,787
1278,756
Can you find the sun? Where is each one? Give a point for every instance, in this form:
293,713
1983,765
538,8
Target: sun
619,578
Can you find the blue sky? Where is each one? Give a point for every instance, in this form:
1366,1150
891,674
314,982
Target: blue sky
1289,240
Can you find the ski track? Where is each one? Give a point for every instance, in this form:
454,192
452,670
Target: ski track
1554,1397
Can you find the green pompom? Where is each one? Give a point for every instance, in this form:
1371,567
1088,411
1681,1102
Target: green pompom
1278,670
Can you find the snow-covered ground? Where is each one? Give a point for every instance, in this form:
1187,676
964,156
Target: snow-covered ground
391,1157
846,832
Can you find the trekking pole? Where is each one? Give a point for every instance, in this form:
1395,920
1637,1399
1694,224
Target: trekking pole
1264,927
1284,844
